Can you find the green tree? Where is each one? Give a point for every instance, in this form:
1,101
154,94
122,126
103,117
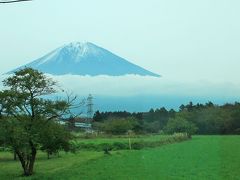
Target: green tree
54,138
119,125
97,117
27,111
180,125
152,127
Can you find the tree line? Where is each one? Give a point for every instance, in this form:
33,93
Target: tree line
202,119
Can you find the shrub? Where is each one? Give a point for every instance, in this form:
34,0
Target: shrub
106,147
180,125
138,145
120,145
119,125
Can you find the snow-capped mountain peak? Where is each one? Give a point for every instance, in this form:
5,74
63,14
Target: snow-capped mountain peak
85,58
80,49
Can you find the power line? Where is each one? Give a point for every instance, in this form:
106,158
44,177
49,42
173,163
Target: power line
13,1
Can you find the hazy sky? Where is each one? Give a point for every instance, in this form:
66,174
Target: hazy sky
179,39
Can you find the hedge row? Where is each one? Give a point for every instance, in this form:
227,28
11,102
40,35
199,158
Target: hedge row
76,146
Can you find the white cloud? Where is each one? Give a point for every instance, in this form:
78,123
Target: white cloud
138,93
130,85
134,85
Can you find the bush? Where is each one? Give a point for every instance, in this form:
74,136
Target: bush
152,127
180,125
120,145
106,147
237,131
138,145
118,126
2,149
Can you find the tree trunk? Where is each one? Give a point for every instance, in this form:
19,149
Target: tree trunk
48,155
14,156
31,160
27,161
22,160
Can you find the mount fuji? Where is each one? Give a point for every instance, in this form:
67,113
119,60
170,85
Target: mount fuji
85,58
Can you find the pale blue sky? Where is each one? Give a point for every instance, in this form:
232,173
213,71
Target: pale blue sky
187,40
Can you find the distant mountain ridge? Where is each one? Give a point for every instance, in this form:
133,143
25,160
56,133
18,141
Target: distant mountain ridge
85,58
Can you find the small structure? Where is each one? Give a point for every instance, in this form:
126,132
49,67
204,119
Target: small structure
62,122
83,125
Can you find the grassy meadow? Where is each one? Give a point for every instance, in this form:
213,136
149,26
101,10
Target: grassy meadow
203,157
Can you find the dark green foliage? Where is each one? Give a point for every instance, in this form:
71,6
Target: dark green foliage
120,145
97,117
26,114
106,148
150,122
118,122
207,118
102,116
152,127
180,125
155,120
119,125
213,119
54,138
137,145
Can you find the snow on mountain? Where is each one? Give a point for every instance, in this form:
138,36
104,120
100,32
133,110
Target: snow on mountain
85,58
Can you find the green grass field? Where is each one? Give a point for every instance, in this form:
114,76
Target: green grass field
203,157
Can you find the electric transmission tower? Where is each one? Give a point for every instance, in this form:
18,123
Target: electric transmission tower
89,107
